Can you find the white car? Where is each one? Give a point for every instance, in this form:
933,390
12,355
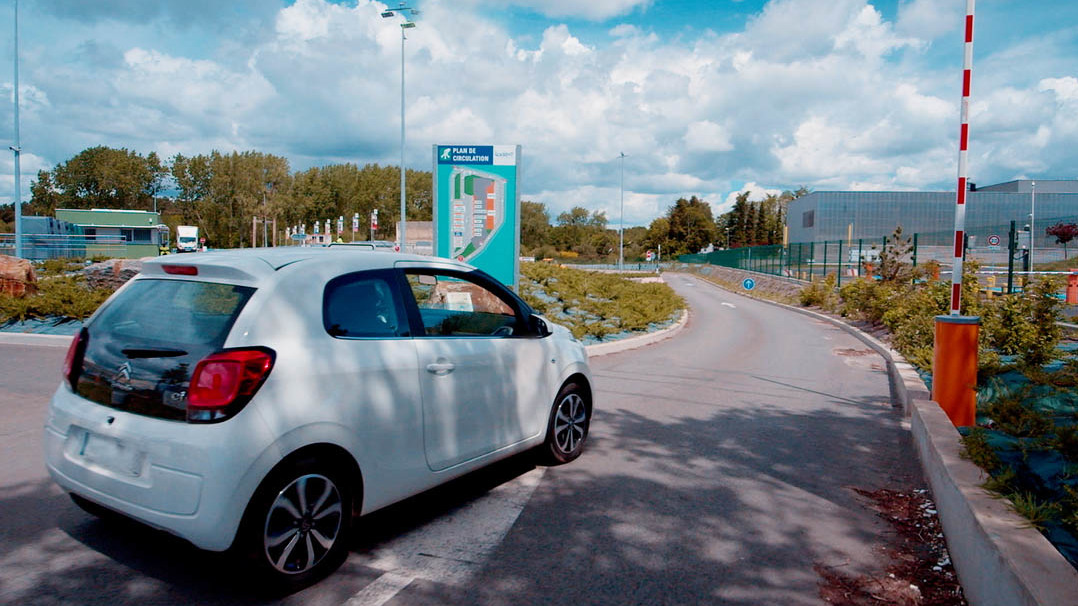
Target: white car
258,399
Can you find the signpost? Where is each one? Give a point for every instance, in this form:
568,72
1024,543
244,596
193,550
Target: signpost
477,207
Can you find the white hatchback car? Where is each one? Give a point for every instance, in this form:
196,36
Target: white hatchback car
257,399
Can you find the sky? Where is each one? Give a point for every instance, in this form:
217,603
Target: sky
704,97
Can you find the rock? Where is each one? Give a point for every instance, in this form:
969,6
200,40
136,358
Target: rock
17,277
112,274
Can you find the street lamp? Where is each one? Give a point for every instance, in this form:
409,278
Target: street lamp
17,148
408,24
1032,216
621,220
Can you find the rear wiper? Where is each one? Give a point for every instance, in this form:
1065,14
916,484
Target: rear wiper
153,353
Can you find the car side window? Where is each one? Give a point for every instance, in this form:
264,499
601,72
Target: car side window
451,305
361,306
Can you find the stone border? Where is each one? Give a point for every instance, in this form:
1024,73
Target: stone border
598,349
602,349
1000,559
29,338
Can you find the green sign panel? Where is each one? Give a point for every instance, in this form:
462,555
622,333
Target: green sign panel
477,207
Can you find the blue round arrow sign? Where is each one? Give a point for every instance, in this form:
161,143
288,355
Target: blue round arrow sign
748,284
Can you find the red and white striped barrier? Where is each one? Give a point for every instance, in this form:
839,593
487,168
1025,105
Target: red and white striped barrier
963,146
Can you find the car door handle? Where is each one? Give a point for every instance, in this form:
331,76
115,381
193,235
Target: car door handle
441,368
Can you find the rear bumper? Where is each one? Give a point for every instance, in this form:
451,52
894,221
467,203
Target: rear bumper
193,481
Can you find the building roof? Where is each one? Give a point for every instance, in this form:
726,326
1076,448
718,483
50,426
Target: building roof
109,217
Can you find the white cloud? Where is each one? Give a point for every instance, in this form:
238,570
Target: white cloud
756,193
708,137
930,19
597,10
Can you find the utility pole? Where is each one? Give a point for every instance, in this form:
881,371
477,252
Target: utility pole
17,147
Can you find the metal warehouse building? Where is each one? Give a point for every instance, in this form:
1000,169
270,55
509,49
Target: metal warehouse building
871,215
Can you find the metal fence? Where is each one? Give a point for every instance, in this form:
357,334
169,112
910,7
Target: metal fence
1003,251
37,247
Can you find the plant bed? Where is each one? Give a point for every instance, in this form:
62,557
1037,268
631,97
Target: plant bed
598,307
1026,439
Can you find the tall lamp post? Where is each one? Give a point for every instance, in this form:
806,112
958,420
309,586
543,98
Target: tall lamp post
406,11
1032,216
17,148
621,220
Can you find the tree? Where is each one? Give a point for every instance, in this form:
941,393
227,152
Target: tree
895,263
581,232
222,193
1064,233
692,226
99,177
534,225
658,235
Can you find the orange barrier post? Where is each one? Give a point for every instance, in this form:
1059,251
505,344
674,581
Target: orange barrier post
954,368
1072,287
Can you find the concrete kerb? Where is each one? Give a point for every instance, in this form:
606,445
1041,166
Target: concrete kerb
1000,559
602,349
598,349
26,338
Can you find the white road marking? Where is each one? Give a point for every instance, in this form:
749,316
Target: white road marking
380,591
451,548
730,305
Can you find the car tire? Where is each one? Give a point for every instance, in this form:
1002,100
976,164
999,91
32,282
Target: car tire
567,428
297,527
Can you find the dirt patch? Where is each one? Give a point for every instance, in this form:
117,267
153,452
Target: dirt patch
920,572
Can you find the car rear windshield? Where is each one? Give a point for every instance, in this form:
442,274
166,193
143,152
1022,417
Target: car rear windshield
144,345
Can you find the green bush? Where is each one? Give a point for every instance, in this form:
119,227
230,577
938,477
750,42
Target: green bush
55,267
865,299
60,297
821,293
596,304
975,448
1024,324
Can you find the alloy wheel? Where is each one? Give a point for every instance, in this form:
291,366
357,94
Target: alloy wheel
570,423
303,523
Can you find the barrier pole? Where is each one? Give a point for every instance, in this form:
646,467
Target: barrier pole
963,158
954,359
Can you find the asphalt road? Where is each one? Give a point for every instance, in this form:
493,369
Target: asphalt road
721,470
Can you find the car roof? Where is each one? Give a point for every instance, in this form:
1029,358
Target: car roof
258,264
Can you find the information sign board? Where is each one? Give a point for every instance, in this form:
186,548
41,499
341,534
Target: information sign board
477,207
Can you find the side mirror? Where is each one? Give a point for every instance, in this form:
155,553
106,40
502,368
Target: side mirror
537,326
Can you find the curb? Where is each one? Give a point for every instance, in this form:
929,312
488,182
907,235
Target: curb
1000,559
602,349
599,349
28,338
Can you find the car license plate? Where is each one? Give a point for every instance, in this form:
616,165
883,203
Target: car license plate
111,453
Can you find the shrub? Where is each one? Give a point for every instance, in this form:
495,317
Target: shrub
1024,324
1013,417
596,304
60,297
865,299
975,448
821,293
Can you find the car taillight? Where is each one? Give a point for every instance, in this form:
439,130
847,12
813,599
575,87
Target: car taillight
73,361
225,381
